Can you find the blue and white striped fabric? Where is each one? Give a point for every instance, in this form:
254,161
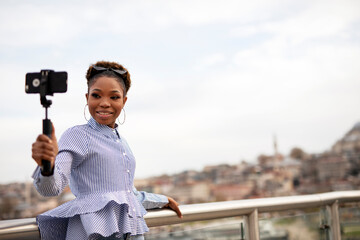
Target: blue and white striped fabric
99,166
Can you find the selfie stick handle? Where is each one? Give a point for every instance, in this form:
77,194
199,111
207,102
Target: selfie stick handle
46,169
46,165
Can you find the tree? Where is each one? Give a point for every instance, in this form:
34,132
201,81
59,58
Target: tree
297,153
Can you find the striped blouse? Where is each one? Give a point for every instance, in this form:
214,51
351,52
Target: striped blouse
99,167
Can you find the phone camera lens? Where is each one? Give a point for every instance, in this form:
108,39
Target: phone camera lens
36,82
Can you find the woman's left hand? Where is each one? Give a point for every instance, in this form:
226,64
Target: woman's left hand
173,205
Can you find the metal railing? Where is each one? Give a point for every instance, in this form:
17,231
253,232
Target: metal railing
250,208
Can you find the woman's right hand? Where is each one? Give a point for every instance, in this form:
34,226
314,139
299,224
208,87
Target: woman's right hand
45,148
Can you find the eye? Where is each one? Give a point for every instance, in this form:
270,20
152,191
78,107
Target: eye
115,97
95,95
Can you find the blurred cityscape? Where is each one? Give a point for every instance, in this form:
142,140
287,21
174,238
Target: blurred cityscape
274,175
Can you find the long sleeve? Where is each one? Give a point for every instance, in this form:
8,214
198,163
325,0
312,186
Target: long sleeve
49,185
53,185
72,150
150,200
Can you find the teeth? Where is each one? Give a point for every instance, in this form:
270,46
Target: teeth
104,113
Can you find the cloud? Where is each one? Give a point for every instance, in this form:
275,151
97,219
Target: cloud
312,21
42,23
211,60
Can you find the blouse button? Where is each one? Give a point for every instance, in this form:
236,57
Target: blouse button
128,170
134,209
129,191
124,154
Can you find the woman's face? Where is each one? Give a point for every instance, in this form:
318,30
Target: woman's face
106,100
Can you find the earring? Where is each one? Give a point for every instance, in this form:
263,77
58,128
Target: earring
121,123
85,112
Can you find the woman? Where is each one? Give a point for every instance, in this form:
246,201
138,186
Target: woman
99,166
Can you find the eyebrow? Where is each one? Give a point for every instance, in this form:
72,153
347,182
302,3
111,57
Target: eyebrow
99,90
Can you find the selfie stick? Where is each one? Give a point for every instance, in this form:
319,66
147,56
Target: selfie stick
47,126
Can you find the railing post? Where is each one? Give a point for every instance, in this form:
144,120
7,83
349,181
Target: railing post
333,211
252,226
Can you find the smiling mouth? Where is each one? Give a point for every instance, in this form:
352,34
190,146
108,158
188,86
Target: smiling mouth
104,114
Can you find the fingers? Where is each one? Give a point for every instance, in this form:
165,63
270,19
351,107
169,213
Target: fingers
43,154
43,138
174,206
178,212
44,148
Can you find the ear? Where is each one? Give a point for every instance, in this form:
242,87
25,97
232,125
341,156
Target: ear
125,99
87,97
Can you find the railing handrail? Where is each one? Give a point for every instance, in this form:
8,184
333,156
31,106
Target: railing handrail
208,211
214,210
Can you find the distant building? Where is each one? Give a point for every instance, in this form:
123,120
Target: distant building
349,147
228,192
332,167
191,192
350,143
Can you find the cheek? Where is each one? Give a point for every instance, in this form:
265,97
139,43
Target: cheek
119,107
92,106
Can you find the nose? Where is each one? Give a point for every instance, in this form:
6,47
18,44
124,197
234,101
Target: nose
104,103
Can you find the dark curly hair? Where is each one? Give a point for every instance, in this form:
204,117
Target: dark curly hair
124,81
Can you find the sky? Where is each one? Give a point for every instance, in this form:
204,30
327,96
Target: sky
212,82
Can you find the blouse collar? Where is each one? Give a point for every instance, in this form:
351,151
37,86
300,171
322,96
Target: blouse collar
104,129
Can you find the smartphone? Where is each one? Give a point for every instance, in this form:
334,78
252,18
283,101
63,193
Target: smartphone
56,82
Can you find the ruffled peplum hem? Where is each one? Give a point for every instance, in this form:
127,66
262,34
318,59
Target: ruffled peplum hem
94,215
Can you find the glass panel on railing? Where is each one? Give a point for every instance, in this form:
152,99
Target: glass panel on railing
349,222
298,227
222,229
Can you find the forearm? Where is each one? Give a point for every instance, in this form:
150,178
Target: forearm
151,200
48,185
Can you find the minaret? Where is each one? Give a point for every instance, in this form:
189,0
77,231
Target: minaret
276,153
